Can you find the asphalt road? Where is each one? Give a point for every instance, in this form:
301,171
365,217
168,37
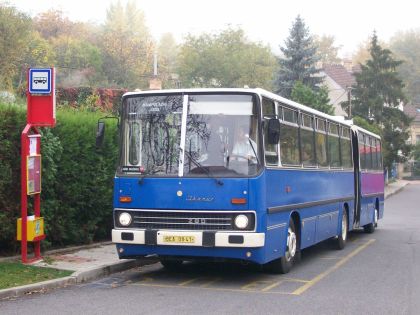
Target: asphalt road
376,273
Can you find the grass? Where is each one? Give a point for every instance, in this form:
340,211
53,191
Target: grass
13,274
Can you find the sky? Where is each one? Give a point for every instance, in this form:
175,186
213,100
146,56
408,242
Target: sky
266,21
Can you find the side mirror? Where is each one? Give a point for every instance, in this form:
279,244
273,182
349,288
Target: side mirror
100,134
273,131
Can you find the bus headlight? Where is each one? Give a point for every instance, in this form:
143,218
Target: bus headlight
241,221
124,219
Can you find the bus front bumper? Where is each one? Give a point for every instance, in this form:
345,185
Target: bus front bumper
188,238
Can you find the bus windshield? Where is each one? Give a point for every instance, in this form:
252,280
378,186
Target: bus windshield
220,135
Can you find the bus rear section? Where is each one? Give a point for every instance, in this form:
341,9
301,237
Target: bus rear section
370,178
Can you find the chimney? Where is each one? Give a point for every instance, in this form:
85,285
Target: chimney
348,64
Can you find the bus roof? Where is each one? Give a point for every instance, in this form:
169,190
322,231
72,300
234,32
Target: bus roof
357,128
261,92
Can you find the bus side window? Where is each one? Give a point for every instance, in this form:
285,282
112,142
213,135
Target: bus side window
334,145
374,154
345,144
268,108
368,153
379,153
321,142
362,153
270,150
289,138
307,140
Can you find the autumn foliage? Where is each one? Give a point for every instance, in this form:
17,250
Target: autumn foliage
104,99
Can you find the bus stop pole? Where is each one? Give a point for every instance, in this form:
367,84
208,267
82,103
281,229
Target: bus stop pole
24,196
37,205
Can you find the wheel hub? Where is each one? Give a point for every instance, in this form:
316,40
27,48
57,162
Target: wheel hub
291,245
344,227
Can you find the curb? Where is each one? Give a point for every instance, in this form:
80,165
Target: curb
75,278
396,191
59,250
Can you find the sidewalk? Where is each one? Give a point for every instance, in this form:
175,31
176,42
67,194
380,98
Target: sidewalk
395,187
95,262
87,263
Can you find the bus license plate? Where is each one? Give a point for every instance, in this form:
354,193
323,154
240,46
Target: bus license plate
178,239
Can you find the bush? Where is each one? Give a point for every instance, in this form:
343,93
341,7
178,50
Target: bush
103,99
77,179
12,120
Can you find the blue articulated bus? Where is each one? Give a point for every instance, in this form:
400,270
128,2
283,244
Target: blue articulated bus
239,174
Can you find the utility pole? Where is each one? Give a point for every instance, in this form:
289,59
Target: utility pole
349,88
155,83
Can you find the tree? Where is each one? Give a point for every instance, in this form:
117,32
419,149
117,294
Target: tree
127,46
37,53
327,51
79,61
226,59
378,94
318,100
406,46
362,53
52,23
167,57
416,152
377,85
299,61
14,34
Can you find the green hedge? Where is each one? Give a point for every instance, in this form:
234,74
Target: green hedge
77,179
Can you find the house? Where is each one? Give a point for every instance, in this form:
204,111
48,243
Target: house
338,78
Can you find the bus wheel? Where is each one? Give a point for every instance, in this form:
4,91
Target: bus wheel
342,237
285,263
370,228
171,264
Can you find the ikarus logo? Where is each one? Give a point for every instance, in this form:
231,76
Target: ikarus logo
199,199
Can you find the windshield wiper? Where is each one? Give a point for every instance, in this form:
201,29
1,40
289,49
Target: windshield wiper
253,149
201,167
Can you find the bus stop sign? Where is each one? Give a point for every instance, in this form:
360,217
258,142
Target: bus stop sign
41,97
40,81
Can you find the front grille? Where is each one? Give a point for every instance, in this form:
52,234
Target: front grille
185,220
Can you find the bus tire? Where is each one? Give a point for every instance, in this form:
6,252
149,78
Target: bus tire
171,264
370,228
341,239
285,263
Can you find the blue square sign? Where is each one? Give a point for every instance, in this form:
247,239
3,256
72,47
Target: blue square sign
40,81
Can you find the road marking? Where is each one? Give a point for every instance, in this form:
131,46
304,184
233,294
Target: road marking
295,280
275,284
189,281
254,284
329,257
205,288
322,275
207,284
